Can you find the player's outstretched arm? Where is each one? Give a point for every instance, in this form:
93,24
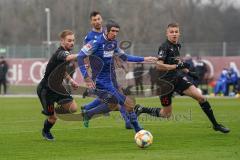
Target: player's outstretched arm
71,57
165,67
150,59
81,64
73,83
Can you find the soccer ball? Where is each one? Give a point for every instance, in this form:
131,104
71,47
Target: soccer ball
143,138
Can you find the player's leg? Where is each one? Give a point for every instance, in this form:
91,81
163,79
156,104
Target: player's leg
48,110
125,117
92,104
0,86
206,107
67,107
5,86
48,124
141,85
129,104
137,84
164,112
124,113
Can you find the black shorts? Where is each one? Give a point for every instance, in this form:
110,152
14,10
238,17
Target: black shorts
48,97
180,85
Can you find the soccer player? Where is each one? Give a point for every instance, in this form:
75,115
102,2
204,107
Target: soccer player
169,61
48,95
104,48
97,30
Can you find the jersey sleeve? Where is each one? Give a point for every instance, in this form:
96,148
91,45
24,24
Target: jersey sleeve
62,55
86,50
90,47
162,53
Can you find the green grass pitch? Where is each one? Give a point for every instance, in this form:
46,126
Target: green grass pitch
187,135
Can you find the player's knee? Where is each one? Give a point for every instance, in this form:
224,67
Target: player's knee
73,109
52,119
201,99
113,107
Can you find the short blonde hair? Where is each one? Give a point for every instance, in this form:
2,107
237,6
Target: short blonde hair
65,33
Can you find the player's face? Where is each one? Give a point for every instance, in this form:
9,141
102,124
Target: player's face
68,42
96,22
112,34
173,34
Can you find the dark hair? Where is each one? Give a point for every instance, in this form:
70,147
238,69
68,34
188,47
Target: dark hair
110,24
94,13
65,33
171,25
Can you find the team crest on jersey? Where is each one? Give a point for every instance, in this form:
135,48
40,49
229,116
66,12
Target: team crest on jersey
110,46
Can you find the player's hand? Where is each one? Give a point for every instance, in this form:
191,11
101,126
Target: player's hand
74,84
150,59
89,82
182,65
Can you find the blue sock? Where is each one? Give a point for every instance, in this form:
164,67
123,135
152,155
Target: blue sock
124,114
92,104
134,121
100,109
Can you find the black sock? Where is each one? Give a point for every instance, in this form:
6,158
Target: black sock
208,111
151,111
47,126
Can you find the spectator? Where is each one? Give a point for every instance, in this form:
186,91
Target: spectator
222,83
234,78
3,75
201,69
188,59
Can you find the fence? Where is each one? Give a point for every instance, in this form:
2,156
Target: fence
195,49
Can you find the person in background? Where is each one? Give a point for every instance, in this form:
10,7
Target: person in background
3,75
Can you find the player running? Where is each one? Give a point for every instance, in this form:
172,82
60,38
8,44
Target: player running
104,48
169,61
48,95
97,31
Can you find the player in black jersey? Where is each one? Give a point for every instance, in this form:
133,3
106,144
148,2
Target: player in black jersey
50,89
169,61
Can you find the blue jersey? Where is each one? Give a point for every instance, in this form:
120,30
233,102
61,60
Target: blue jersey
92,35
104,51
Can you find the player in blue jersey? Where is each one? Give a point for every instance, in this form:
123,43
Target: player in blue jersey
105,85
97,30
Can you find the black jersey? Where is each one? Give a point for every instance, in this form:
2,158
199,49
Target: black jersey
169,54
56,67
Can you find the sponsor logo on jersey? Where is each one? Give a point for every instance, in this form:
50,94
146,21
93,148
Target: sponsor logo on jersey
108,53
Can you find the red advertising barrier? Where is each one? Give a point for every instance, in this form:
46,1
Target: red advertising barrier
215,65
31,71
